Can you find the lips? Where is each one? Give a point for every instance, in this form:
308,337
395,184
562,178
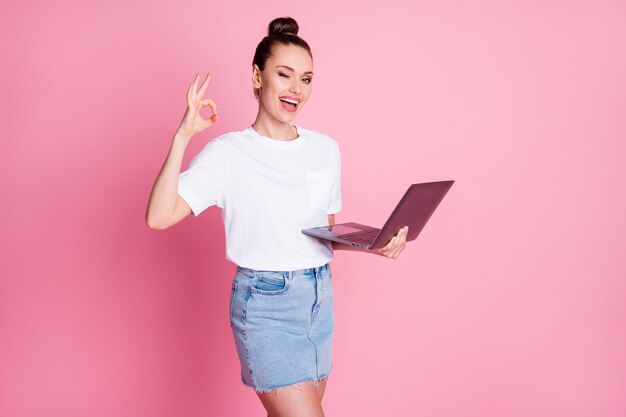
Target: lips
289,103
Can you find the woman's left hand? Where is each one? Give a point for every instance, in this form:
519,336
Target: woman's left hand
395,246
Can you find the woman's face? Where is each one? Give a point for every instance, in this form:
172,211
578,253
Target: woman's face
285,83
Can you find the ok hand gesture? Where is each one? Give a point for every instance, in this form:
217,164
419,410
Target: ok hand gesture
193,122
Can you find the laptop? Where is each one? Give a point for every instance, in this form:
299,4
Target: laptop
414,210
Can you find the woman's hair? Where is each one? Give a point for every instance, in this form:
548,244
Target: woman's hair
281,31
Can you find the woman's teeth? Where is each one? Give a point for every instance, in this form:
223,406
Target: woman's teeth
290,101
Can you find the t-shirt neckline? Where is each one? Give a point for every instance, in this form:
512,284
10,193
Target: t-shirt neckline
281,144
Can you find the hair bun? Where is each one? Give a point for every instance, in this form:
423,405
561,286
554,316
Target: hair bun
282,26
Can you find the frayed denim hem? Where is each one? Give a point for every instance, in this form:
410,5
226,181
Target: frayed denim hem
296,385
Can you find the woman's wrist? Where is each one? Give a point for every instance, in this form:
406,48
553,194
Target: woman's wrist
181,136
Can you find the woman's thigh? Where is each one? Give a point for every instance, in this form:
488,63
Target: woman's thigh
321,388
298,400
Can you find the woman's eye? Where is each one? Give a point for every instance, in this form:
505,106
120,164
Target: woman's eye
306,80
282,75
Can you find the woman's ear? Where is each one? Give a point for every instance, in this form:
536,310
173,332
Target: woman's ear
256,76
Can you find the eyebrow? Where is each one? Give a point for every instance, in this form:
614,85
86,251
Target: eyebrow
293,70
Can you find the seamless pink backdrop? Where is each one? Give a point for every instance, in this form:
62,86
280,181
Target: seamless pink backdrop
510,303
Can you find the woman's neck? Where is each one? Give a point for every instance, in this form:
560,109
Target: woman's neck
274,129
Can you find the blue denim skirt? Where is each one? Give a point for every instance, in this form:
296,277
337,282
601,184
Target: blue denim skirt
283,325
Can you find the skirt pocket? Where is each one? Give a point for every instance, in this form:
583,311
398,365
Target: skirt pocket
269,285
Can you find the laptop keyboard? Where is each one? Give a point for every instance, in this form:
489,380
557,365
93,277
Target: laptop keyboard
364,238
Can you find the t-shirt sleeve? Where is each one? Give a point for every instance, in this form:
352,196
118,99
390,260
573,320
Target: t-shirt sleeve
202,184
335,190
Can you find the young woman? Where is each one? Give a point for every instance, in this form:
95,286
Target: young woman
271,180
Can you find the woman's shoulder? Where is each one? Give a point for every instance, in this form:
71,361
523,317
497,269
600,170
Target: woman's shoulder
317,136
221,145
237,134
228,139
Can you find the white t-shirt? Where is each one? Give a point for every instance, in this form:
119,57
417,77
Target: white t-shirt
268,190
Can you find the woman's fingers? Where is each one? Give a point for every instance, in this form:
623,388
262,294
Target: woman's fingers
401,243
193,122
194,96
214,117
388,247
396,249
204,85
189,94
391,244
396,245
211,104
195,85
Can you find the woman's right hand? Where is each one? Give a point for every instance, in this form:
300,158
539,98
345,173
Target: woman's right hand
193,122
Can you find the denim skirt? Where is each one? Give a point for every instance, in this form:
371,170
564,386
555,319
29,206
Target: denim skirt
283,325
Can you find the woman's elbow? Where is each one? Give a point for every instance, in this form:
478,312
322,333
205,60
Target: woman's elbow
162,221
156,224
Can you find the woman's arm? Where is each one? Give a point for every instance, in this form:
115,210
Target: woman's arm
393,249
165,206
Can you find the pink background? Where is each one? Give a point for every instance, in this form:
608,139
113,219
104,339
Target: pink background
511,302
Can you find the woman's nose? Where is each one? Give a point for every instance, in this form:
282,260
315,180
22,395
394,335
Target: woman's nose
295,86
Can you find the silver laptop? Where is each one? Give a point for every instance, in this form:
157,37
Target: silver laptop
414,209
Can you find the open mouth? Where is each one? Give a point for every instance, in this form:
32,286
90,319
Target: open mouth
289,104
